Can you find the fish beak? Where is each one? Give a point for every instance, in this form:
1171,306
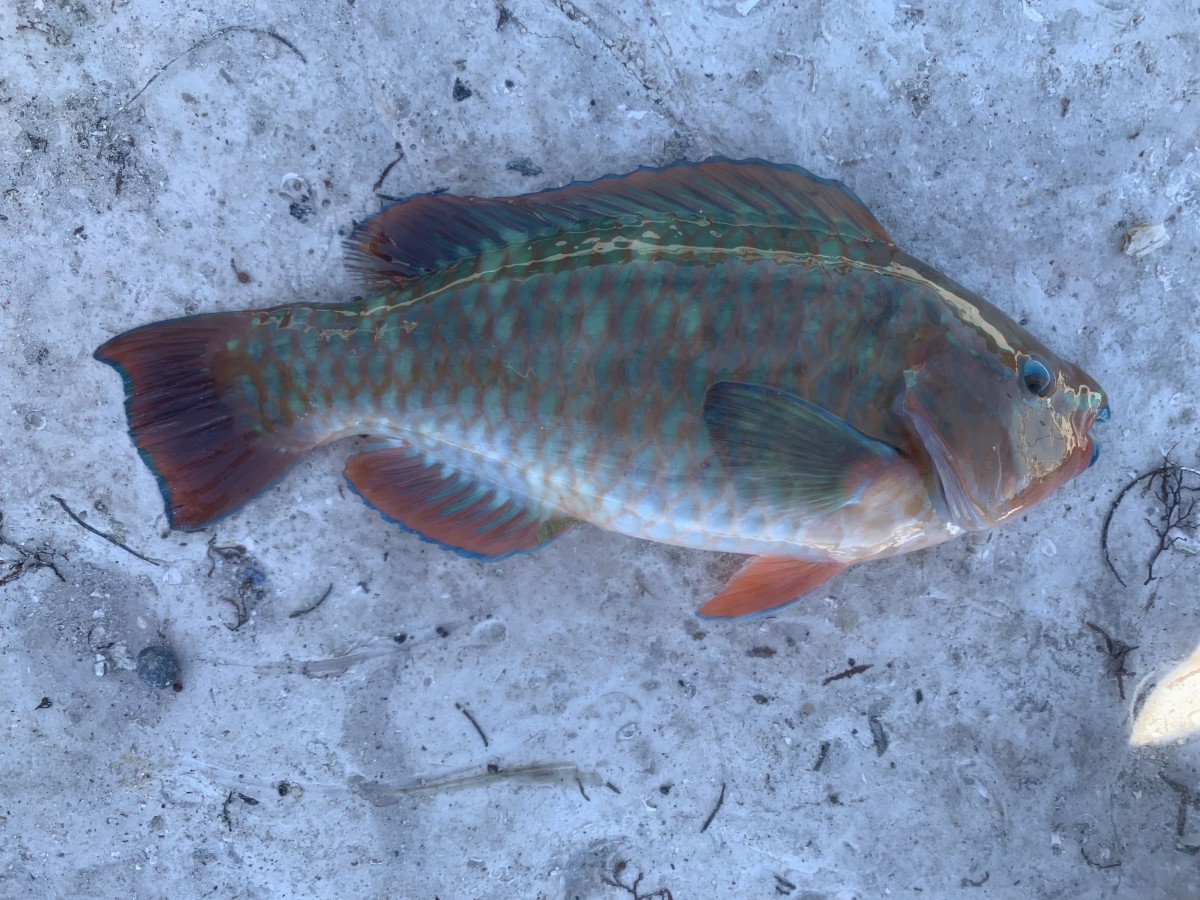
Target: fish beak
1101,417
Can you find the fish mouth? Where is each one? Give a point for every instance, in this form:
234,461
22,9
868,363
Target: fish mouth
1100,417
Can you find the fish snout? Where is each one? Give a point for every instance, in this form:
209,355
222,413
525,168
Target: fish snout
1098,416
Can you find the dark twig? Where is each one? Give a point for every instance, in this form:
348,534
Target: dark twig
1108,522
847,673
241,611
306,610
386,170
712,815
1185,800
470,718
205,41
108,537
225,817
1117,651
1091,862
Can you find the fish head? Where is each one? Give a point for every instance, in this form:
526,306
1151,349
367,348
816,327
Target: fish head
1004,422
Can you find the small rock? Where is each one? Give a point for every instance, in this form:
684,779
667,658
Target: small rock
1189,843
523,166
158,666
295,187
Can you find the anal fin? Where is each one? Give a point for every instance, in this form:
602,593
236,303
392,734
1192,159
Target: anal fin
448,507
766,584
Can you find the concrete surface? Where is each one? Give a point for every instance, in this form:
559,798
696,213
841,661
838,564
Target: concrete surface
149,153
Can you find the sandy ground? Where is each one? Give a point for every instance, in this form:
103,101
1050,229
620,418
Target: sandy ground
557,725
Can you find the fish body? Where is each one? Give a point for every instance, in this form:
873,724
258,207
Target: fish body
727,355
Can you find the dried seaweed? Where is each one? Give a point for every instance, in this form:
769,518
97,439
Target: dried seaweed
1177,522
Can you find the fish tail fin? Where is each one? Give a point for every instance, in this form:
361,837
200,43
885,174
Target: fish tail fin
196,404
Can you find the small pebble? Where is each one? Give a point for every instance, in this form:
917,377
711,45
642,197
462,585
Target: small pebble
158,666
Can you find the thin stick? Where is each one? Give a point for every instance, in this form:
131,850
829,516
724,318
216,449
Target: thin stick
847,673
205,41
712,815
306,610
108,537
470,718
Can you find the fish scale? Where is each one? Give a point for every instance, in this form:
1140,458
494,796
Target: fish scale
726,355
665,463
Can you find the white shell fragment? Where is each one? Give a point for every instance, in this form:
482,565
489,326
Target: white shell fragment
1143,239
1172,711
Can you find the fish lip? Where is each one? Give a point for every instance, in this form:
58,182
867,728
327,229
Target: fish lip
1094,420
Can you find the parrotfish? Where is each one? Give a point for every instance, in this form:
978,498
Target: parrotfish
725,355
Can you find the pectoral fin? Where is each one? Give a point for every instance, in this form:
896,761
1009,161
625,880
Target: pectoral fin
766,584
784,451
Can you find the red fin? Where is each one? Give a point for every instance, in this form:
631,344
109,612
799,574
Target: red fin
446,507
425,232
767,583
203,442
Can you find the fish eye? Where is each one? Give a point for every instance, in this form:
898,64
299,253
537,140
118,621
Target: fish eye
1036,377
1103,414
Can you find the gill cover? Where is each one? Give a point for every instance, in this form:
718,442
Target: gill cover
1001,434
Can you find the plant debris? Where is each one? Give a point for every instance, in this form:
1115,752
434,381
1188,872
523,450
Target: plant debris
633,888
1177,520
28,561
847,673
247,582
307,609
470,718
96,531
1185,800
712,815
1117,651
379,793
205,41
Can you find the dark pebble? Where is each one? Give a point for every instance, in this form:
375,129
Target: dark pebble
523,166
158,666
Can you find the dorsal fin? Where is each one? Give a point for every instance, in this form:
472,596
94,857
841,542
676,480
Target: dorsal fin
425,232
